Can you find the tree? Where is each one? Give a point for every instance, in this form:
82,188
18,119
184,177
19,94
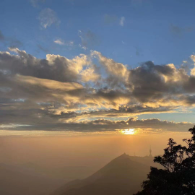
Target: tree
177,177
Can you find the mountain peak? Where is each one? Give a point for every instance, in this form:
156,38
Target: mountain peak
120,176
123,156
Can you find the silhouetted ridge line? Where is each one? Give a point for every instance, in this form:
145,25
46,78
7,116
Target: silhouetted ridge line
123,175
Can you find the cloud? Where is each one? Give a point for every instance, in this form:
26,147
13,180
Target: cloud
90,91
138,51
122,21
147,125
54,67
109,19
59,42
47,17
193,69
88,39
118,72
113,19
69,43
11,42
35,3
117,114
177,30
43,48
49,84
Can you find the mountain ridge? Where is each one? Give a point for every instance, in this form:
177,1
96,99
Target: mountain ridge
121,176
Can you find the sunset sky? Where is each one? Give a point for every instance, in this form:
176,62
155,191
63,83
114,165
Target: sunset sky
107,66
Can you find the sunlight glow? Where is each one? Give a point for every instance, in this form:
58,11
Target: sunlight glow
128,131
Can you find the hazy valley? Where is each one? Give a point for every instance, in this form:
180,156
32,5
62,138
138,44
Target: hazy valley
122,175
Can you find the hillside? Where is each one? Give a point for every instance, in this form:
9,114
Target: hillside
122,175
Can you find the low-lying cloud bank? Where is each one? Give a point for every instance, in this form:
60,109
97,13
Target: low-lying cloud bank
101,125
58,93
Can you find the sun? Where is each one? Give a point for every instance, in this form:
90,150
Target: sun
128,131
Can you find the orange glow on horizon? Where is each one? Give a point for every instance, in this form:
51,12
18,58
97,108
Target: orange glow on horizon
128,131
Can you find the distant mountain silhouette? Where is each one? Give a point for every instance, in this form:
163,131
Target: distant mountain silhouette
122,176
15,180
32,179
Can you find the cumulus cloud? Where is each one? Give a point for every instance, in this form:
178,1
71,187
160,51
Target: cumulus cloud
54,67
47,17
193,69
118,72
78,93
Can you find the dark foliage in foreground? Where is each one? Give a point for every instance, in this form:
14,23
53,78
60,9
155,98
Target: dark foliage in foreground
178,175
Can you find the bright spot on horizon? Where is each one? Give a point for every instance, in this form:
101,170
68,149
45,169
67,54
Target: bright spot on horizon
128,131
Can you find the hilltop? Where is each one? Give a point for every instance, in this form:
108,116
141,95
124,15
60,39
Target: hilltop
123,176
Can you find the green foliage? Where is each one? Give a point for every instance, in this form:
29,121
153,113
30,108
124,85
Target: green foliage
178,175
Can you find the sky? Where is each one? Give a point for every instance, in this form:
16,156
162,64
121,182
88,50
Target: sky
81,150
86,66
